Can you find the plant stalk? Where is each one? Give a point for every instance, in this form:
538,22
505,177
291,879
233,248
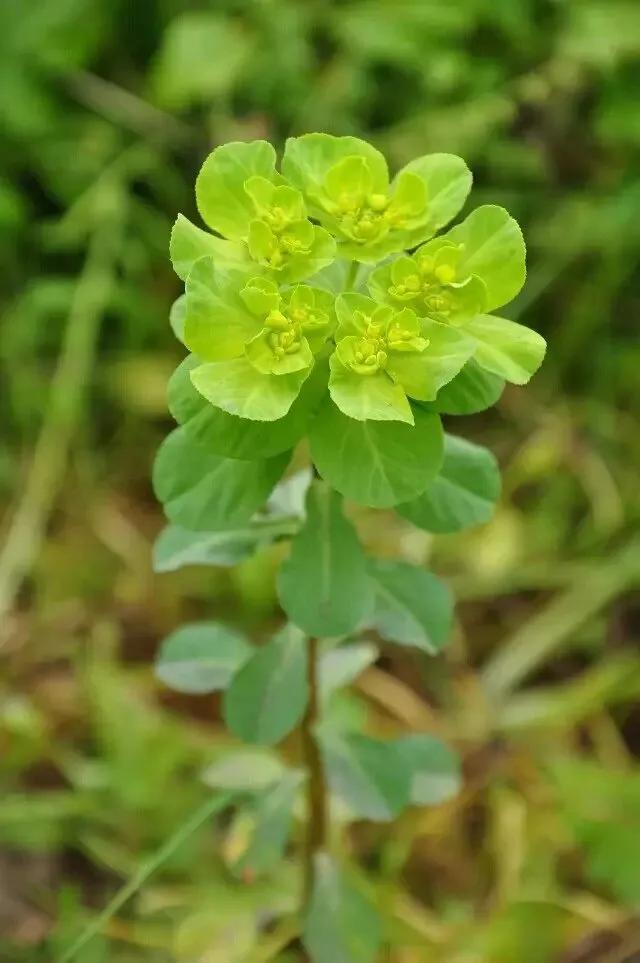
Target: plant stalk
317,812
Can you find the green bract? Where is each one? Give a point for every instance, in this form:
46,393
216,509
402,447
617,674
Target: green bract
294,345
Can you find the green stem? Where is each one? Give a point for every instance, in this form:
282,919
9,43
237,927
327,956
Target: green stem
317,813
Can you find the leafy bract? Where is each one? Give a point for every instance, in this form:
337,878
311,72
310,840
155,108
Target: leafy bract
341,925
506,349
268,696
492,247
376,463
189,243
472,390
463,493
222,200
412,606
202,491
201,657
323,585
236,437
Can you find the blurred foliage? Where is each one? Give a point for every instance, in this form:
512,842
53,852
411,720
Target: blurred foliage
107,109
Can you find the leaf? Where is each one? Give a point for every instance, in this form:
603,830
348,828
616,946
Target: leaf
178,547
341,925
237,388
379,464
202,491
448,182
340,666
463,493
323,585
435,768
235,437
494,250
307,160
217,322
189,243
273,817
268,696
412,607
509,350
369,775
222,200
247,770
176,316
373,397
472,390
201,657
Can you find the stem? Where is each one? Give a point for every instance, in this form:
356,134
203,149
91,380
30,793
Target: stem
317,813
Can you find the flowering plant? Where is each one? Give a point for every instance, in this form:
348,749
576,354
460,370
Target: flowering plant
323,305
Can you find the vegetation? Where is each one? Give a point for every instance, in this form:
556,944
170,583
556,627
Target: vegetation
116,819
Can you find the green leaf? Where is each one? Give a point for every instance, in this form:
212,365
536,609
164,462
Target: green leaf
268,696
273,818
341,925
237,388
245,770
177,315
509,350
222,200
472,390
178,547
435,768
323,585
366,396
494,250
201,657
448,182
464,492
341,665
235,437
308,159
376,463
412,607
423,375
217,322
202,491
369,775
189,243
201,56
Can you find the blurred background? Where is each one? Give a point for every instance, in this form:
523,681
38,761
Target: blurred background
107,109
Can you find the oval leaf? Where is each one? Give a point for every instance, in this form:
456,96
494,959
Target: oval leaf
177,547
509,350
273,818
201,657
323,585
268,696
369,775
472,390
341,925
376,463
201,490
464,493
412,607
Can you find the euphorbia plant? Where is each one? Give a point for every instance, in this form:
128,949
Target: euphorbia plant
322,306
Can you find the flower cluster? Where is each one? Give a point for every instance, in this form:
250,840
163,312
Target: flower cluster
331,265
